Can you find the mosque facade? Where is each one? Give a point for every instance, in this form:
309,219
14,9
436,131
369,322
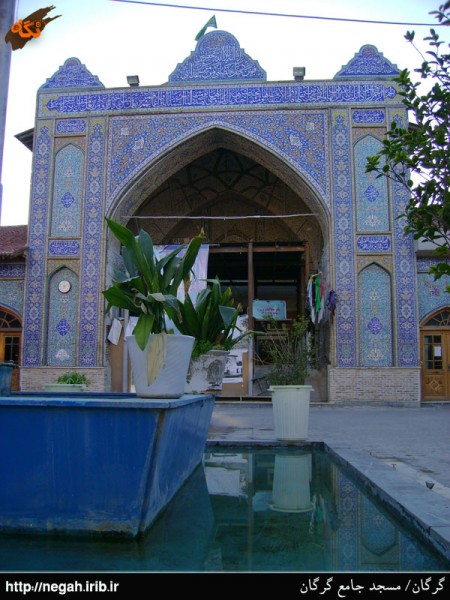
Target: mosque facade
274,173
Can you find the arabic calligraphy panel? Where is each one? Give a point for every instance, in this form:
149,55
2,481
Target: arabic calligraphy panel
373,243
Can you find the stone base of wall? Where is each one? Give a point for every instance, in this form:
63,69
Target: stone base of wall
391,385
34,379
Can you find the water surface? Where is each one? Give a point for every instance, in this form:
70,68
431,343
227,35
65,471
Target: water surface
247,510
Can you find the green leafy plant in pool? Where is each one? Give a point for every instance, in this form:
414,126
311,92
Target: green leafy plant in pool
211,319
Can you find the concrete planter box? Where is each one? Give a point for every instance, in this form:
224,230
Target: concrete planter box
96,463
63,388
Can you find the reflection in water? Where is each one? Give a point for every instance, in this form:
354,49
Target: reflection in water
260,510
291,490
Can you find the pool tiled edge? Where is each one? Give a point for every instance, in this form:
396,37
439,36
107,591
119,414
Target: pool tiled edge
414,505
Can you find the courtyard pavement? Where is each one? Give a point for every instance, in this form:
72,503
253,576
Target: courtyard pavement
403,452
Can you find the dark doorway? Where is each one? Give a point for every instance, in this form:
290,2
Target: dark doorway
262,271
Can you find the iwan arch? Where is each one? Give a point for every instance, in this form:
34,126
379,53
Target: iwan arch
275,170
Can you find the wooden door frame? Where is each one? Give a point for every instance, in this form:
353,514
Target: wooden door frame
16,332
444,331
250,249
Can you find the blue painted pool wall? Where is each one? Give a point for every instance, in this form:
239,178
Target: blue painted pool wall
179,451
96,466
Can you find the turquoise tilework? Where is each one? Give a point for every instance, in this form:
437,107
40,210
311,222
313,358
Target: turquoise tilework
375,317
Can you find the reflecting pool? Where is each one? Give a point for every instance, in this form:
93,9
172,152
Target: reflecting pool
247,510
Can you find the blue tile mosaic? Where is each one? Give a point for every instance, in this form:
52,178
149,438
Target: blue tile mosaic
368,116
72,74
343,240
405,274
12,270
88,341
297,136
424,263
375,317
368,62
62,320
305,124
250,95
431,292
347,539
68,126
367,540
372,208
11,294
378,534
217,57
373,243
64,248
37,232
67,192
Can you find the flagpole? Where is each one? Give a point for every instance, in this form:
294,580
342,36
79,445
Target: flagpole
211,23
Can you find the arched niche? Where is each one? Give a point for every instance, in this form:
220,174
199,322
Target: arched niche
67,192
375,317
62,318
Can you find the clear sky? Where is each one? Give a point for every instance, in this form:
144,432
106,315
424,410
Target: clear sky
115,39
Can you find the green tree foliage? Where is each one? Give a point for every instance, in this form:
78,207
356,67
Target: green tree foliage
418,157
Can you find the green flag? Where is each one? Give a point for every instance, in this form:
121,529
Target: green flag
210,23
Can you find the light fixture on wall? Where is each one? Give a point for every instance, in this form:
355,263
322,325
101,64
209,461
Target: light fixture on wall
299,73
133,80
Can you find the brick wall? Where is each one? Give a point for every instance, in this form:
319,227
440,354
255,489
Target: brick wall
34,379
365,385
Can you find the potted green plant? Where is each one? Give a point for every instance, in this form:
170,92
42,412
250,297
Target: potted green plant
148,289
287,351
212,320
71,381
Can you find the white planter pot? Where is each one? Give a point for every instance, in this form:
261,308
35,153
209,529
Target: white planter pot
170,380
205,372
290,405
291,490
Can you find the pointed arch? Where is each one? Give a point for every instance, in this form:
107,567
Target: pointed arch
172,157
375,316
62,317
